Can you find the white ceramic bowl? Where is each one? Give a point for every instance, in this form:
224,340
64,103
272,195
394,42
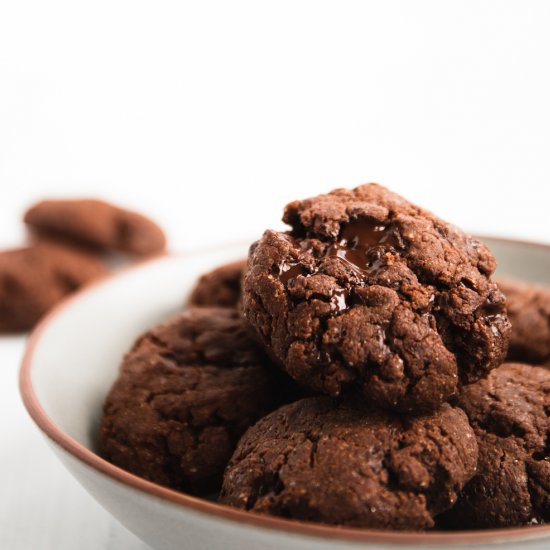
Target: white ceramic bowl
73,357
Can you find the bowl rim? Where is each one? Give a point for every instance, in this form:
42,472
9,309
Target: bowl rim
220,511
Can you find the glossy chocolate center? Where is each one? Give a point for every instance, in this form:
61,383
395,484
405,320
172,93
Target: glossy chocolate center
290,270
363,243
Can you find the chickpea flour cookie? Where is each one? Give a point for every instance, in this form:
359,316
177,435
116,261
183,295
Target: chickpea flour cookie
368,290
510,414
528,308
219,287
186,392
97,224
35,278
342,464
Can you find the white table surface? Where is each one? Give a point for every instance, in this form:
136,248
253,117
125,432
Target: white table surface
211,115
42,506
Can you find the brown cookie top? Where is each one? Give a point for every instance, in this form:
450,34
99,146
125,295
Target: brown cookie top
341,464
186,392
510,414
368,290
529,312
97,224
33,279
219,287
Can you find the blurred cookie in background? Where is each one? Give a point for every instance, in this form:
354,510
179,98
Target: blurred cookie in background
35,278
529,312
219,287
97,224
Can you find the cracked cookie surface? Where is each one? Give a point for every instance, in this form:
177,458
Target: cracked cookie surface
339,463
368,290
219,287
528,308
186,392
510,414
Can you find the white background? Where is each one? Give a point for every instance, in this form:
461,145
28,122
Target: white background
210,116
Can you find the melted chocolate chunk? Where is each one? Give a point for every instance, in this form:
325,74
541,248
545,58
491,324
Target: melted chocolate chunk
363,244
289,271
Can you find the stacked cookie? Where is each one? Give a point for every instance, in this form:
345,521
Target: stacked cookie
68,241
353,376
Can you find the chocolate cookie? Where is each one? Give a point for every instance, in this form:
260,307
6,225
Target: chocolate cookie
33,279
529,312
510,414
219,287
368,290
97,224
341,464
185,393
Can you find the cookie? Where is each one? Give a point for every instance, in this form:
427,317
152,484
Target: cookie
370,291
219,287
185,394
338,463
510,414
35,278
529,312
97,224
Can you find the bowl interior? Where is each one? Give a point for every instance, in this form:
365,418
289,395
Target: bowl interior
524,261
